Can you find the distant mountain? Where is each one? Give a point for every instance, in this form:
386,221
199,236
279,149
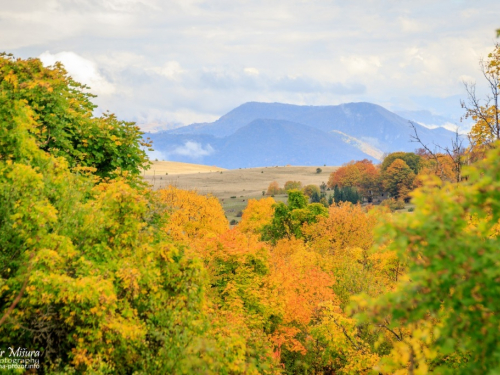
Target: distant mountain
266,142
260,134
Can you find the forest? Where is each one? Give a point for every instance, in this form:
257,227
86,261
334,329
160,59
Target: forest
100,274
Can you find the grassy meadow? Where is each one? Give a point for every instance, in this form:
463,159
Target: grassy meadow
233,187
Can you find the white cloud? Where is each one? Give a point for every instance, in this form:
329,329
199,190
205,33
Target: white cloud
361,65
81,69
171,70
251,71
193,149
183,60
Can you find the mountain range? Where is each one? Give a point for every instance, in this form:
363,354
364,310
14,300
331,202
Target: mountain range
266,134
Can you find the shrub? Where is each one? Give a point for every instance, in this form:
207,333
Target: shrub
273,188
309,190
239,214
393,204
233,222
293,185
233,197
319,170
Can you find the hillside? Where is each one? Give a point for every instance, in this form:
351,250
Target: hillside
256,134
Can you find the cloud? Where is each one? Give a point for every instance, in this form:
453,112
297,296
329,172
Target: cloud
192,149
171,70
81,69
251,71
309,85
177,61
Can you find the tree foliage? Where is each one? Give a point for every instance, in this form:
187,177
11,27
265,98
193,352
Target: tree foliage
60,113
412,160
273,189
256,215
105,276
292,185
446,306
288,218
362,175
398,179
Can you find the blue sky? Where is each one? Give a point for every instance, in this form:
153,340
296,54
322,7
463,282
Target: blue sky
182,61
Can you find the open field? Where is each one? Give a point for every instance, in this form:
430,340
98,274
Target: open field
234,187
160,168
223,183
242,184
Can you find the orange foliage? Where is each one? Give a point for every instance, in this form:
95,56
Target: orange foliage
273,188
257,214
347,175
361,174
346,226
444,168
192,216
302,282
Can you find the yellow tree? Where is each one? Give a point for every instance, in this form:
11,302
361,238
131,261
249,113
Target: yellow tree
256,215
192,216
398,179
486,115
346,226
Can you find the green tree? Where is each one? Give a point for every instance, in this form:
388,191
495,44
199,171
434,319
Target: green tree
87,275
288,219
346,194
398,179
61,112
310,189
449,301
411,159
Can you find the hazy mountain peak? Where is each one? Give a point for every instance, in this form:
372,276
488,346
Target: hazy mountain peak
257,132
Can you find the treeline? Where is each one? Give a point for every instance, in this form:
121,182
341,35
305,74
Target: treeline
317,194
389,183
104,276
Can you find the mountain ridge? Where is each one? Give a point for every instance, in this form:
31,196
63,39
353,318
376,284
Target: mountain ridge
360,130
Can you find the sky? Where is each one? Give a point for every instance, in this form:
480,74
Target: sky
163,63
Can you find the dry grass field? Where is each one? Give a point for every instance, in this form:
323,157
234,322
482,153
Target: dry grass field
233,187
160,168
225,183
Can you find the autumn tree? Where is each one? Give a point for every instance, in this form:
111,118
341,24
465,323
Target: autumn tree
192,216
486,115
412,160
398,179
309,190
445,313
256,215
293,185
273,188
362,175
244,309
303,281
63,124
347,175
